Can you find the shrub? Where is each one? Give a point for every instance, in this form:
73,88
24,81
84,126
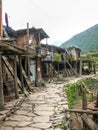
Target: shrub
73,92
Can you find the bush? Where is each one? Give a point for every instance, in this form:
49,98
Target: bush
73,92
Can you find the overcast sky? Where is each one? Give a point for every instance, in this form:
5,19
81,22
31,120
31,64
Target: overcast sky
60,19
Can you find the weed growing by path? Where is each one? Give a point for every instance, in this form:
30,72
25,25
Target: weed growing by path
73,92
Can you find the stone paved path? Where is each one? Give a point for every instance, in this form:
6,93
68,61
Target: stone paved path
42,110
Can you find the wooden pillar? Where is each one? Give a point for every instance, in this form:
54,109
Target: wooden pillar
76,66
27,34
65,58
0,18
58,66
21,75
46,68
28,72
94,67
1,86
15,77
26,63
28,58
84,99
80,66
95,117
96,105
89,66
39,75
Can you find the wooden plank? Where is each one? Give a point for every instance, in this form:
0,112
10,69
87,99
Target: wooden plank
1,86
80,65
27,80
96,105
25,77
82,111
21,75
15,78
72,68
52,67
84,98
89,124
95,117
9,67
0,18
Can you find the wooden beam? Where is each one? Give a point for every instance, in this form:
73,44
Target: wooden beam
80,66
28,58
1,86
84,99
15,78
82,111
0,18
89,124
21,75
72,68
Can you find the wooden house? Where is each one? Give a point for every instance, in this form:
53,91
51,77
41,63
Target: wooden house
56,60
8,70
53,60
74,52
74,57
19,61
32,45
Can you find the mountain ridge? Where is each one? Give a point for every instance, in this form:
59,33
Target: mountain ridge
87,40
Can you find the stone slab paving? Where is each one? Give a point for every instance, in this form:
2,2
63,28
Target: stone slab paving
41,110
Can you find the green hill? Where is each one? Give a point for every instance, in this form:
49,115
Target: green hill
87,40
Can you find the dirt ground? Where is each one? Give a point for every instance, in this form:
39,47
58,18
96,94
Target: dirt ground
78,105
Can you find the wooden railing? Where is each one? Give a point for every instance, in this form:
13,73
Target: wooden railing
87,122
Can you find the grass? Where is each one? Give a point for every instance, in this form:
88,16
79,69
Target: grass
74,93
61,127
90,56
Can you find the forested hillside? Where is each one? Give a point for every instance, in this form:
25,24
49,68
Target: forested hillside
86,40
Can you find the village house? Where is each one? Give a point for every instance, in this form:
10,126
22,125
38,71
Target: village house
8,69
27,62
73,57
33,46
24,60
56,60
21,60
53,60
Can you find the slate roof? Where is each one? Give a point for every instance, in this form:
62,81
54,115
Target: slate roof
35,31
54,48
11,32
